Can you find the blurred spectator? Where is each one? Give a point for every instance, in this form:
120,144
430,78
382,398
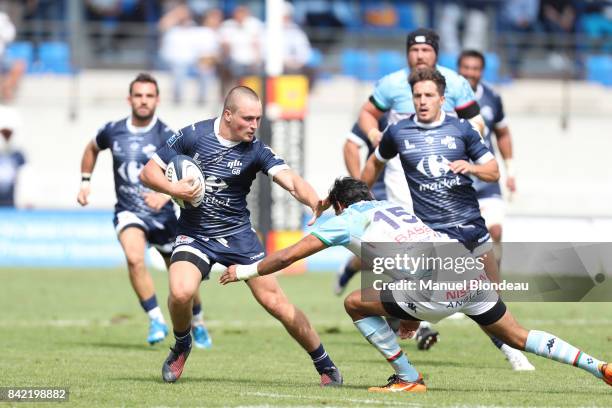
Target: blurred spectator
242,42
208,50
10,71
325,13
596,22
11,159
467,14
46,20
518,17
558,18
297,51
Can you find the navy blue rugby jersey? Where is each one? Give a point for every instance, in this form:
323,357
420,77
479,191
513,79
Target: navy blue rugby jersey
440,198
492,111
132,147
229,169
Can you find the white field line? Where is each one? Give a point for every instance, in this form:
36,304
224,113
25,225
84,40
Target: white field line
330,398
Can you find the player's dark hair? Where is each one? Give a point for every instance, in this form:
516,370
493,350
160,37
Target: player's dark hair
471,54
231,100
428,74
347,191
144,77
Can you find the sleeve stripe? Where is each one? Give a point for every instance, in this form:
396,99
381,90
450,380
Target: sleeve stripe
485,158
465,105
159,161
379,157
323,240
273,171
378,105
355,139
468,111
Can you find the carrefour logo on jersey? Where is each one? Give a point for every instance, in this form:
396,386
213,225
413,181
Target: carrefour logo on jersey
434,165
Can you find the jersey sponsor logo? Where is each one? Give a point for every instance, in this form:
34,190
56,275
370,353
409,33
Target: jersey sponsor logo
443,184
116,147
449,142
257,256
409,146
214,184
183,239
487,113
434,165
429,140
174,138
235,165
129,171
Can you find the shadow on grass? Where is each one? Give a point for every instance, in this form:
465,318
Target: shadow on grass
113,345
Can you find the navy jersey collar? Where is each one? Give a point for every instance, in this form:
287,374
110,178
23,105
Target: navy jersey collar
140,129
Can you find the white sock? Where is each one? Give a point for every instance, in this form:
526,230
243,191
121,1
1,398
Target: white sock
197,318
156,314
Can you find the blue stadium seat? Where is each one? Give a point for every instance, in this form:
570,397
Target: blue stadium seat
352,62
599,69
406,17
389,61
54,57
23,51
316,58
491,73
448,60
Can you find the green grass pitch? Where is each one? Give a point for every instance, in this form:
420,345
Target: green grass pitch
84,329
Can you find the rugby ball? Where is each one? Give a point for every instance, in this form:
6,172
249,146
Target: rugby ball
181,167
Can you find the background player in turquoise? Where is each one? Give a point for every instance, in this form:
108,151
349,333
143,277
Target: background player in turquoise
141,215
354,210
393,93
435,150
219,230
492,207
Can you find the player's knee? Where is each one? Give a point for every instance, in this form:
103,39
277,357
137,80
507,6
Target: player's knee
351,303
136,263
180,295
496,232
276,304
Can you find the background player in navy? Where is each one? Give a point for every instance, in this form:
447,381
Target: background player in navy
141,215
471,65
436,151
219,229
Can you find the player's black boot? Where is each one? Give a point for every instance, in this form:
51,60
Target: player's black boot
174,364
331,377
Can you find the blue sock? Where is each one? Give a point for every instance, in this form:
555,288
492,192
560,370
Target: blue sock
380,335
183,340
347,274
320,359
552,347
498,343
196,309
149,304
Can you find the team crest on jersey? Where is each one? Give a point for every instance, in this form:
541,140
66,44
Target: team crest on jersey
487,113
429,140
434,165
449,142
148,150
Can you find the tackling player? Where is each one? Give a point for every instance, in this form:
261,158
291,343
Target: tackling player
435,150
358,220
471,65
142,216
219,230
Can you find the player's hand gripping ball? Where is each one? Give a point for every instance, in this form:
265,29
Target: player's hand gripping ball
181,167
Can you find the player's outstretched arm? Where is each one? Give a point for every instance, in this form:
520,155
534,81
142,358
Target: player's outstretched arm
488,171
153,177
88,162
372,170
274,262
301,190
368,122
